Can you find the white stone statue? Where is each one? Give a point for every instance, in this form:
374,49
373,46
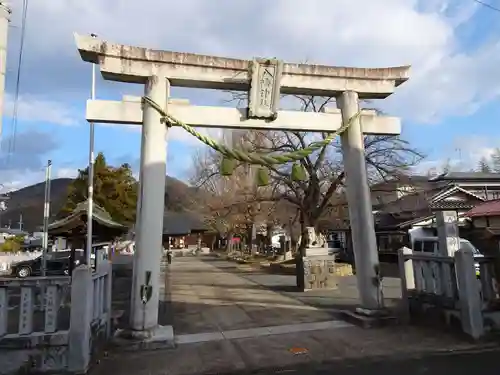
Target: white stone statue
314,240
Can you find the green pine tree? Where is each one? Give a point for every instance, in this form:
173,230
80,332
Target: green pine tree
495,161
115,190
484,165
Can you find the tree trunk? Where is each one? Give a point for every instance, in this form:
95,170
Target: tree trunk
305,221
229,242
250,240
299,257
269,236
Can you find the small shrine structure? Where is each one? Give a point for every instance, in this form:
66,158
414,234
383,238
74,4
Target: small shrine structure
74,226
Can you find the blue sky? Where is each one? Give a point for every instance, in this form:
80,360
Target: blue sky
449,103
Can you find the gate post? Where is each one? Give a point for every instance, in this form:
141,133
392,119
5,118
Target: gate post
360,207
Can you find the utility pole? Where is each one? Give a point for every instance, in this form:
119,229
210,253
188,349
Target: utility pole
5,13
46,214
20,222
90,194
3,205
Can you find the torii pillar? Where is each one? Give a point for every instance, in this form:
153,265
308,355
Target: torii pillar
265,80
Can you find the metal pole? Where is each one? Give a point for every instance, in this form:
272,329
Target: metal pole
90,200
5,13
46,213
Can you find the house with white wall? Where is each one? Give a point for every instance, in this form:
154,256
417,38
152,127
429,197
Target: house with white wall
6,233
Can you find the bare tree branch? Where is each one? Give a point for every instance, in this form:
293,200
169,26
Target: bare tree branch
321,195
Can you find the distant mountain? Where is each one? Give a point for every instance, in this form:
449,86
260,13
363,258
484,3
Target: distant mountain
29,201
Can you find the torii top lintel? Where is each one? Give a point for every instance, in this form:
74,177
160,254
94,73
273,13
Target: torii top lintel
134,64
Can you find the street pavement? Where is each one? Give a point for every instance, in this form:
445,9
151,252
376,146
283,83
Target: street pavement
227,322
463,363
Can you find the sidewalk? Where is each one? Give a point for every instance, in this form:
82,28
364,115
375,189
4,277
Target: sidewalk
342,346
225,323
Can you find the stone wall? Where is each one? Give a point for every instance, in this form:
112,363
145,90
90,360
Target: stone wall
320,273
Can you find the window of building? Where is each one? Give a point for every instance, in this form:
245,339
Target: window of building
429,246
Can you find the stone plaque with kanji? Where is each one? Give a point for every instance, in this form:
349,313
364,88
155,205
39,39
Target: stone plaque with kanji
264,92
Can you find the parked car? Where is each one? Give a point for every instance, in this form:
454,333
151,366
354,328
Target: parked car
57,264
430,245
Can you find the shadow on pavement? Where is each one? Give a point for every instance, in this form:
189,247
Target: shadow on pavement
345,297
432,364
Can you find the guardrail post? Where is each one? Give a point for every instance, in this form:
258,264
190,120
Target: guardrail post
469,294
405,267
82,292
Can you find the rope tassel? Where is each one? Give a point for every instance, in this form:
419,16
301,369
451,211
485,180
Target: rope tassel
298,172
262,176
227,166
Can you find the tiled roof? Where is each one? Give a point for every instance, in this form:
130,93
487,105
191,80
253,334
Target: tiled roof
98,214
418,206
451,205
456,176
489,208
451,190
411,202
392,183
182,223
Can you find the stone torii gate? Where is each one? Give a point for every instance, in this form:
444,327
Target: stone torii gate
265,80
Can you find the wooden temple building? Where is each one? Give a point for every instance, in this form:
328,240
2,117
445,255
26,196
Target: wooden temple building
183,229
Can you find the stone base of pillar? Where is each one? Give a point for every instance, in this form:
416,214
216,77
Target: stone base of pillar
319,272
160,337
316,251
372,312
369,318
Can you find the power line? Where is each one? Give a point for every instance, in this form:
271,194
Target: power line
487,5
12,140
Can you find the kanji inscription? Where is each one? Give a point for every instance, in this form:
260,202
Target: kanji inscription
264,88
51,309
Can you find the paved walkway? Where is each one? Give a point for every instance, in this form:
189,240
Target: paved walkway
207,295
346,296
225,323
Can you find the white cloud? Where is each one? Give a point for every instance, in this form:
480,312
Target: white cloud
66,173
447,79
17,179
14,180
34,109
463,154
176,133
427,34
